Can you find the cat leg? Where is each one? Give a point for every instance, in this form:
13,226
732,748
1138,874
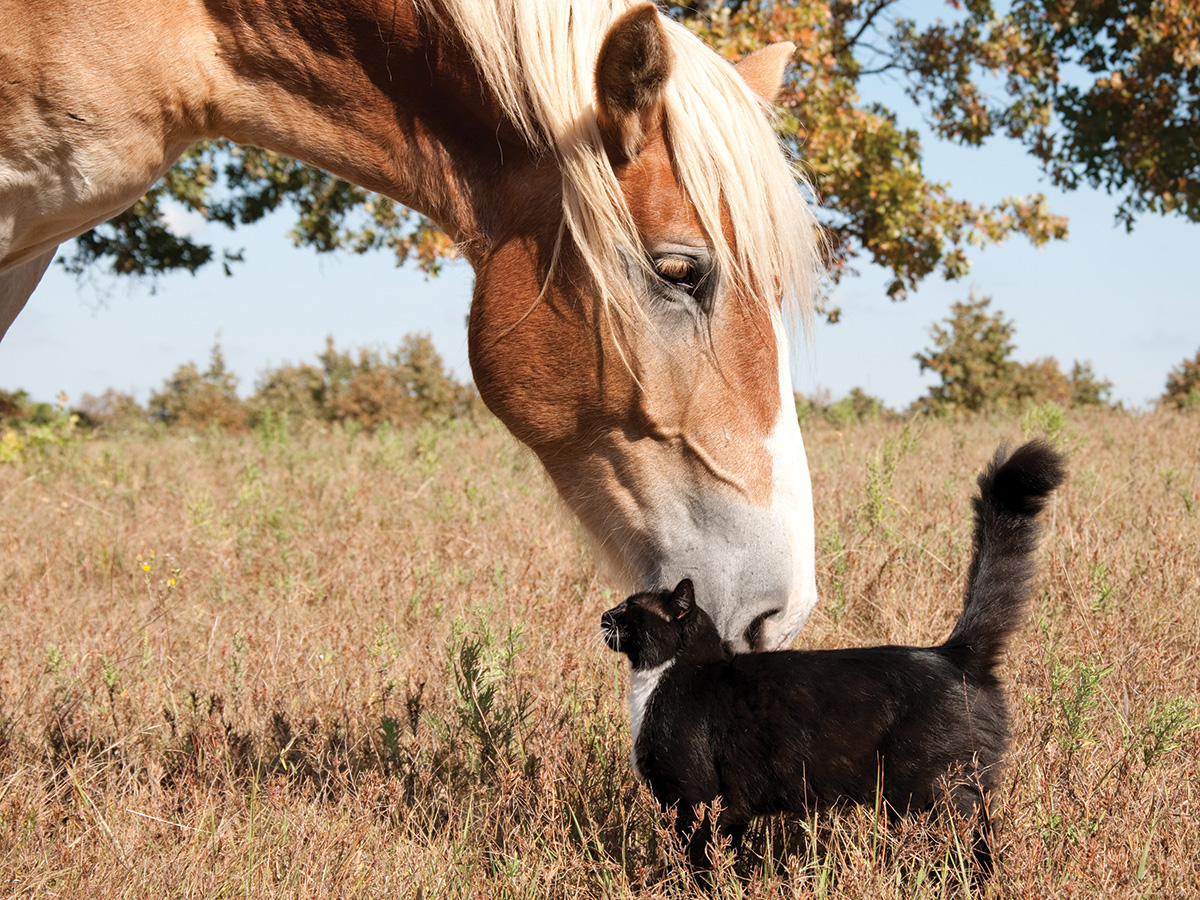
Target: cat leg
710,829
734,831
693,828
974,813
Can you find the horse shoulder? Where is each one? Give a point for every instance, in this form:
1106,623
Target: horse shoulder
96,102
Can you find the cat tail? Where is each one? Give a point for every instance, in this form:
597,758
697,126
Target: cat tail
1012,491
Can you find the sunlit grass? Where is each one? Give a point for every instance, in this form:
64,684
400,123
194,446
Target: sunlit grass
329,664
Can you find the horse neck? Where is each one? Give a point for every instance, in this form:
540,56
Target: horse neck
372,92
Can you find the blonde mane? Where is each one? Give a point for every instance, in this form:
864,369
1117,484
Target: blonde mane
539,56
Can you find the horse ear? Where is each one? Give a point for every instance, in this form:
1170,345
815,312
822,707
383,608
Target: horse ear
763,69
684,598
631,72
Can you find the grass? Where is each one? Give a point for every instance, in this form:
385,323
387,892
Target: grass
338,664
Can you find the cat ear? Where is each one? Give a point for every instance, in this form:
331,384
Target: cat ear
684,598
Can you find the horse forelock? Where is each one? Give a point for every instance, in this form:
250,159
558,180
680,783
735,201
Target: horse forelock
539,58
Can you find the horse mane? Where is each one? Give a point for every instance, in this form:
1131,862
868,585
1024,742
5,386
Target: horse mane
539,57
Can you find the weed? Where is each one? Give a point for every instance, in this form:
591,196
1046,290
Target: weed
492,704
237,666
55,661
1098,572
881,473
1166,725
1074,697
271,430
833,551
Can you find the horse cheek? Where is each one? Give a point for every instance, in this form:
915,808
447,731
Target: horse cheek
533,358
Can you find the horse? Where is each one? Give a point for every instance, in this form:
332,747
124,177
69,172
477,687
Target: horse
636,229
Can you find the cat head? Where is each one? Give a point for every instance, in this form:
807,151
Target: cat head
655,627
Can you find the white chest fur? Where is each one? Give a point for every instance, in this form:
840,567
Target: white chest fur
641,690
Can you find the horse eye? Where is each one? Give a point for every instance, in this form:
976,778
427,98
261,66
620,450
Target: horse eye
679,271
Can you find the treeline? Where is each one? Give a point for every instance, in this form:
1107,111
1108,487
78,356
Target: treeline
364,388
972,354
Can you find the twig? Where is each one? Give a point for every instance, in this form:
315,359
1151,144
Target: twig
102,512
99,818
157,819
20,484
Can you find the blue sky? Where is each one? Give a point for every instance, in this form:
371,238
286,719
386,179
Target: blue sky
1126,302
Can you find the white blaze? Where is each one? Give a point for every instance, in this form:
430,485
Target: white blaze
791,503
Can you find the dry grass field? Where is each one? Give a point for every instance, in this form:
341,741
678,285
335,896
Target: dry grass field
354,665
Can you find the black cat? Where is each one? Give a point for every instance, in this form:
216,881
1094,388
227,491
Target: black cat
787,731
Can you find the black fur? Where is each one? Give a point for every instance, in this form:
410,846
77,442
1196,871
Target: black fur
787,731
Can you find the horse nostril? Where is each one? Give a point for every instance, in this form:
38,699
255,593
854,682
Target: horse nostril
754,630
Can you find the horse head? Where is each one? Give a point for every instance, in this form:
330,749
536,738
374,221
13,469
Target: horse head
635,228
627,326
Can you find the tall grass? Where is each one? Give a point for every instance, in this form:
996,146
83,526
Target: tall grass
318,664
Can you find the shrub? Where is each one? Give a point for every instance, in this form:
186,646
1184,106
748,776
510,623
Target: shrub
1183,385
290,393
1087,388
367,388
857,406
1041,381
112,409
196,399
13,405
34,426
972,353
406,385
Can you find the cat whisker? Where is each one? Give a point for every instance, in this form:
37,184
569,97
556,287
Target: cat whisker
609,636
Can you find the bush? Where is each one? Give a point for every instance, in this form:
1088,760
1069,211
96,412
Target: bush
1087,388
857,406
291,393
1041,381
1183,385
972,353
33,426
13,405
112,409
368,388
196,399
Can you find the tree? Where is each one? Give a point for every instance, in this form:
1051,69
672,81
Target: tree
231,186
1088,388
972,353
875,199
1101,93
196,399
1183,385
